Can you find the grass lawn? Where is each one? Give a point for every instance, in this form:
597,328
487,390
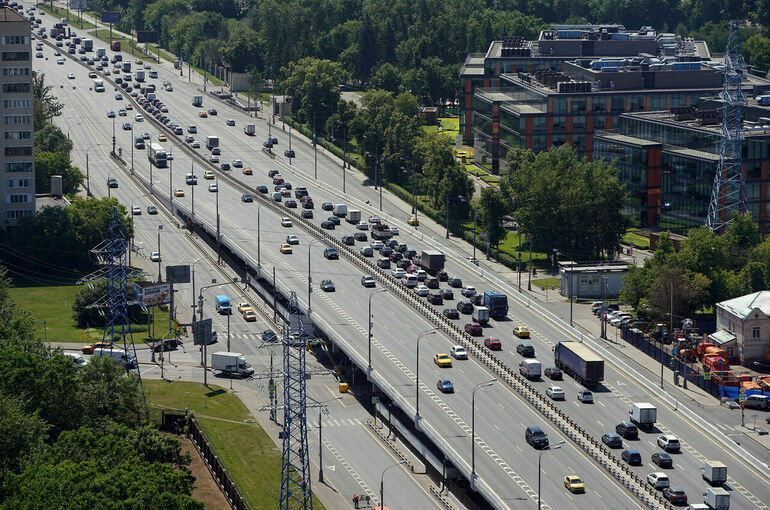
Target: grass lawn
450,126
244,448
75,22
550,283
53,304
640,241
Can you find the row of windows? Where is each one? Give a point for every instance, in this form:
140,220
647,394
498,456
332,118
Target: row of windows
17,120
15,56
19,166
16,71
17,103
18,135
20,198
10,88
18,183
18,151
17,213
14,39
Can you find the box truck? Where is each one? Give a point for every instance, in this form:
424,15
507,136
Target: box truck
714,472
98,85
139,75
231,363
580,362
354,216
211,142
643,414
432,261
249,129
88,44
157,155
481,314
197,101
717,498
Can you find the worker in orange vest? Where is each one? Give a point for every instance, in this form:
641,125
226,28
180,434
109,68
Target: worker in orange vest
355,500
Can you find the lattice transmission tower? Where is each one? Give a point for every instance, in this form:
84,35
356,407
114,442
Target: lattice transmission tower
295,472
728,195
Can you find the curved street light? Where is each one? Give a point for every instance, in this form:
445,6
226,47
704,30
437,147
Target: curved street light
417,385
382,483
371,294
473,425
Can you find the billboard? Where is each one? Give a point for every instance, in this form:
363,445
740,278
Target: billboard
79,5
144,36
152,294
110,17
178,274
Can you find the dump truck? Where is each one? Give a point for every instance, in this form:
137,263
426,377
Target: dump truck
115,45
714,472
580,362
231,363
432,261
643,415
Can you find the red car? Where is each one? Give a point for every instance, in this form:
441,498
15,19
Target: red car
412,269
493,344
307,213
129,106
432,283
442,276
404,263
474,328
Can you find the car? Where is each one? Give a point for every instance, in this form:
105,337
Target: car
118,96
435,298
126,126
394,231
155,256
129,106
676,495
465,306
493,344
574,484
669,443
526,350
326,206
90,348
413,221
658,480
404,264
262,188
286,248
378,245
473,329
179,192
442,360
269,336
246,197
224,166
136,210
612,440
122,112
327,286
555,392
162,138
585,396
553,373
243,306
452,282
291,203
212,111
246,170
112,182
110,114
446,294
289,153
468,290
230,122
450,313
39,54
139,117
286,222
368,281
307,213
627,430
536,437
334,219
431,283
662,459
214,159
213,187
203,115
458,352
328,225
57,53
145,136
397,272
362,225
445,386
292,239
332,254
421,290
632,457
521,331
151,209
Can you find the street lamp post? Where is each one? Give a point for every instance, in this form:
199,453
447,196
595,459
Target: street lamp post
321,407
417,385
569,279
369,336
170,182
160,227
539,461
200,318
131,245
113,136
259,253
382,483
473,425
309,278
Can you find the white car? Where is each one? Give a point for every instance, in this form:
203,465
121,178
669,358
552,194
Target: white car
60,61
377,245
458,352
468,290
669,443
362,225
230,122
213,187
421,290
292,239
71,76
139,117
214,159
196,144
658,480
286,222
555,392
615,321
398,272
238,163
147,66
136,210
155,256
192,129
394,231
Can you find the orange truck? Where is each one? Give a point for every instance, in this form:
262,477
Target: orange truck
115,45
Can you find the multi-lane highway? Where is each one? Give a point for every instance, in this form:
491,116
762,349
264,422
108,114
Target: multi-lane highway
502,455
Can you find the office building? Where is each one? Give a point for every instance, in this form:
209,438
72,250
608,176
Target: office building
743,327
17,162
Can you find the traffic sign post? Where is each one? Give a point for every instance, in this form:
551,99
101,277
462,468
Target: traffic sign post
707,376
375,401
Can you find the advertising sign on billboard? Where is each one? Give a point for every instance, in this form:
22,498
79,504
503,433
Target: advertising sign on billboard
152,294
110,17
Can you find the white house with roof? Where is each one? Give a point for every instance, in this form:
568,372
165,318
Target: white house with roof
743,327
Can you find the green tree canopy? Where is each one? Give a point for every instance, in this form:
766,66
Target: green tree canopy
56,163
314,86
51,138
45,106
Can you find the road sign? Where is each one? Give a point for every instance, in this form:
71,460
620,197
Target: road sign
573,299
606,303
110,17
202,332
375,400
178,274
707,376
742,391
675,351
742,397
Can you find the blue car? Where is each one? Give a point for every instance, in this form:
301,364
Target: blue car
262,188
445,386
269,336
111,114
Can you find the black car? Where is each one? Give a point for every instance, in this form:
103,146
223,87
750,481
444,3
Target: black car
287,185
360,236
289,154
326,206
401,248
553,373
151,209
327,286
410,254
662,459
536,437
331,254
435,298
169,344
291,203
612,440
212,111
675,495
328,225
451,313
526,350
447,293
334,219
272,173
627,430
269,335
455,282
348,240
262,188
246,197
386,251
465,307
633,457
307,213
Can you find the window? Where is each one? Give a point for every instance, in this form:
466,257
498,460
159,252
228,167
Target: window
14,39
16,71
18,135
18,151
18,183
578,104
539,124
755,333
656,103
18,199
599,121
17,120
559,124
9,88
12,56
19,166
618,103
16,213
560,104
15,104
578,122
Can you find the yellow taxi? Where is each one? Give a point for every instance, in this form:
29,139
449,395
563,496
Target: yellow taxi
574,484
442,360
521,331
242,307
179,192
250,316
162,138
413,220
203,115
139,62
92,74
90,348
247,170
285,248
208,174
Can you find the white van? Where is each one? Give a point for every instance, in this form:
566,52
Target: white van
411,281
757,402
118,354
77,359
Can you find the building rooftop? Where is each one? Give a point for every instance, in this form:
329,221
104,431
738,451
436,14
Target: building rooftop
743,306
9,15
631,140
707,118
